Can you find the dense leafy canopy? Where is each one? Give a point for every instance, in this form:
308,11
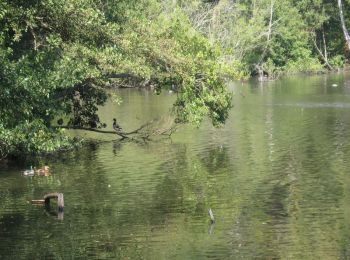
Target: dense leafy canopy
58,57
275,36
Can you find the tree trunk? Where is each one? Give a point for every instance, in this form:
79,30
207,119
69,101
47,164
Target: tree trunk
324,55
345,30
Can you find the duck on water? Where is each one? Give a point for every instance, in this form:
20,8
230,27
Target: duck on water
29,172
44,171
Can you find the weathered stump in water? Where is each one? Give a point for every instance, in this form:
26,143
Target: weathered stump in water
46,202
60,200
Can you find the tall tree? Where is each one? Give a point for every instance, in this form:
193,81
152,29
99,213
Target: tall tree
343,25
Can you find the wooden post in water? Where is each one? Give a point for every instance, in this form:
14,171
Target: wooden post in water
60,200
46,202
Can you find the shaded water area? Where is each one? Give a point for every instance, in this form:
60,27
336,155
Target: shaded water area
277,177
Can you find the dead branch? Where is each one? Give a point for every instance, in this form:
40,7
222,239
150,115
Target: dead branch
93,130
323,56
160,127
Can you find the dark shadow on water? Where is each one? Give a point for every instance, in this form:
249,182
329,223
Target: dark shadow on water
53,211
10,234
117,146
9,223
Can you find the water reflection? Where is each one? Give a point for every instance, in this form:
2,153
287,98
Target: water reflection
117,146
50,212
276,177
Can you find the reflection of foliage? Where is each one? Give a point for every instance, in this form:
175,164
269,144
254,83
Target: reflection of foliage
267,204
216,159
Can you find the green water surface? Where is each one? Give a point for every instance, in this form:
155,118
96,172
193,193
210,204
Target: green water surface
277,177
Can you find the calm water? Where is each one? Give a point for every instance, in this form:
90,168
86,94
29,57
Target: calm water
277,178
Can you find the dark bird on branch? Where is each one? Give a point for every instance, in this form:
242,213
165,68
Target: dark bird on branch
60,121
116,127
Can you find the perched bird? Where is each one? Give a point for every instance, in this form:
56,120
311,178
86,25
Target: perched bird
45,171
60,121
29,172
116,127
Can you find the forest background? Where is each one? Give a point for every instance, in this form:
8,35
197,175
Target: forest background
60,58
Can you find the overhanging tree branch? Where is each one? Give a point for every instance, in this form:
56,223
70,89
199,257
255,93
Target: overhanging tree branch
145,131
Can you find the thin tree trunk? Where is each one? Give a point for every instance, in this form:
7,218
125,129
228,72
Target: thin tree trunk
323,56
345,30
325,46
270,22
268,39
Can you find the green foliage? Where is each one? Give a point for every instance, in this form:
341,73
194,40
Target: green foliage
302,61
191,66
309,64
32,137
58,58
273,35
337,61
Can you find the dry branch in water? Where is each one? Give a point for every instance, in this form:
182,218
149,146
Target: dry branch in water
162,127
